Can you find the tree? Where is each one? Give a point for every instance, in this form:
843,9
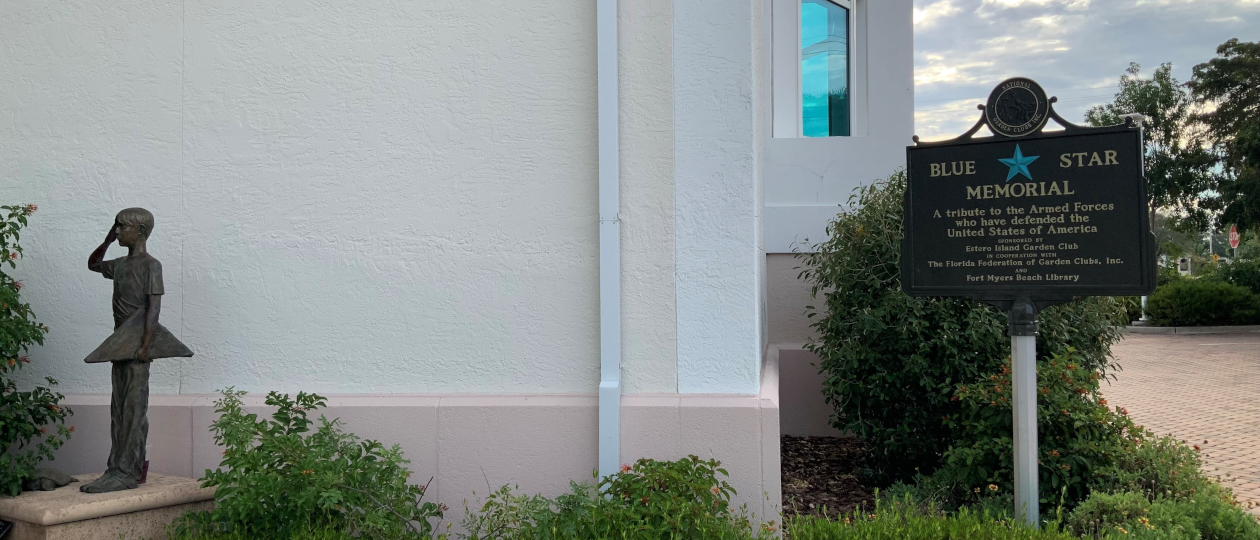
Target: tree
1231,82
1172,242
1179,164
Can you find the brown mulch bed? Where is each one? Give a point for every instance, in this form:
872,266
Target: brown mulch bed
821,472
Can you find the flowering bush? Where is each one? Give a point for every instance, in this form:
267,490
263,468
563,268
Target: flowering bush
1160,467
649,500
27,415
892,361
1079,436
278,478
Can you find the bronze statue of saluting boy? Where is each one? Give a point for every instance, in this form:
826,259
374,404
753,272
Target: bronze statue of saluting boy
137,340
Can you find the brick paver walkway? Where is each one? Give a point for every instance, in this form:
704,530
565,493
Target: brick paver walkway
1198,388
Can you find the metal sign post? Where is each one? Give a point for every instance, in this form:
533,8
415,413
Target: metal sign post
1023,220
1021,325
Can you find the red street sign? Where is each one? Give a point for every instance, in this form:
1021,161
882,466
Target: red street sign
1233,236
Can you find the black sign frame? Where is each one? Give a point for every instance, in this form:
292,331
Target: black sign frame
1040,294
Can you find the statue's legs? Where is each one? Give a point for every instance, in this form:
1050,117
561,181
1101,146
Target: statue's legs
129,427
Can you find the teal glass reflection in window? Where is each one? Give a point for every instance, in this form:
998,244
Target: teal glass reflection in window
824,69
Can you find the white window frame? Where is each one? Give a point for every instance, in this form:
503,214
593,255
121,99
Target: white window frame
785,62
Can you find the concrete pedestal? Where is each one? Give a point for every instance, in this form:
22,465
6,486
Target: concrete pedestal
135,514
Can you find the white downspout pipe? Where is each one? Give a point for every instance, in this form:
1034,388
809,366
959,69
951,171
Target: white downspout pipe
609,240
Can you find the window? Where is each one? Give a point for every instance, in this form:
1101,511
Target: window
817,67
825,105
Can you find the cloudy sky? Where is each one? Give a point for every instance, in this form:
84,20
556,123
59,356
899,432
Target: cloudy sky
1076,49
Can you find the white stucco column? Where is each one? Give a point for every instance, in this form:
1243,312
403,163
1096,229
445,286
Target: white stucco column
718,256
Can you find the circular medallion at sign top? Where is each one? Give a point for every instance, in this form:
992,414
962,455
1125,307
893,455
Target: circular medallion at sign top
1017,107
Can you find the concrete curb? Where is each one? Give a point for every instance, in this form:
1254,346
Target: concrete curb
1190,330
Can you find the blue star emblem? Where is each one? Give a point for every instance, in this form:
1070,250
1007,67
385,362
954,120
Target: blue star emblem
1018,164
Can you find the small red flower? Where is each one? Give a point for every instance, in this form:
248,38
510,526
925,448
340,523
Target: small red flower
24,360
625,467
42,431
17,284
71,429
1197,449
1102,401
30,209
1054,452
13,255
1124,411
443,507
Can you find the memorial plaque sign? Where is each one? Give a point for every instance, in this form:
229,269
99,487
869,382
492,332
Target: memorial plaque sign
1023,220
1046,215
1055,214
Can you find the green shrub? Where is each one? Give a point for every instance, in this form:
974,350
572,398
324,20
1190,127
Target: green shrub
1158,467
1078,435
1203,302
1130,514
25,415
652,499
892,362
905,520
1204,267
1218,517
1209,515
1241,273
278,478
1167,275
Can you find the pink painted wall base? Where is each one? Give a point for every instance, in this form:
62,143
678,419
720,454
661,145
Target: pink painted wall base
471,444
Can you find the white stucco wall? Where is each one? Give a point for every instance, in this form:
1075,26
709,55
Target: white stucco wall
396,199
716,195
648,300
